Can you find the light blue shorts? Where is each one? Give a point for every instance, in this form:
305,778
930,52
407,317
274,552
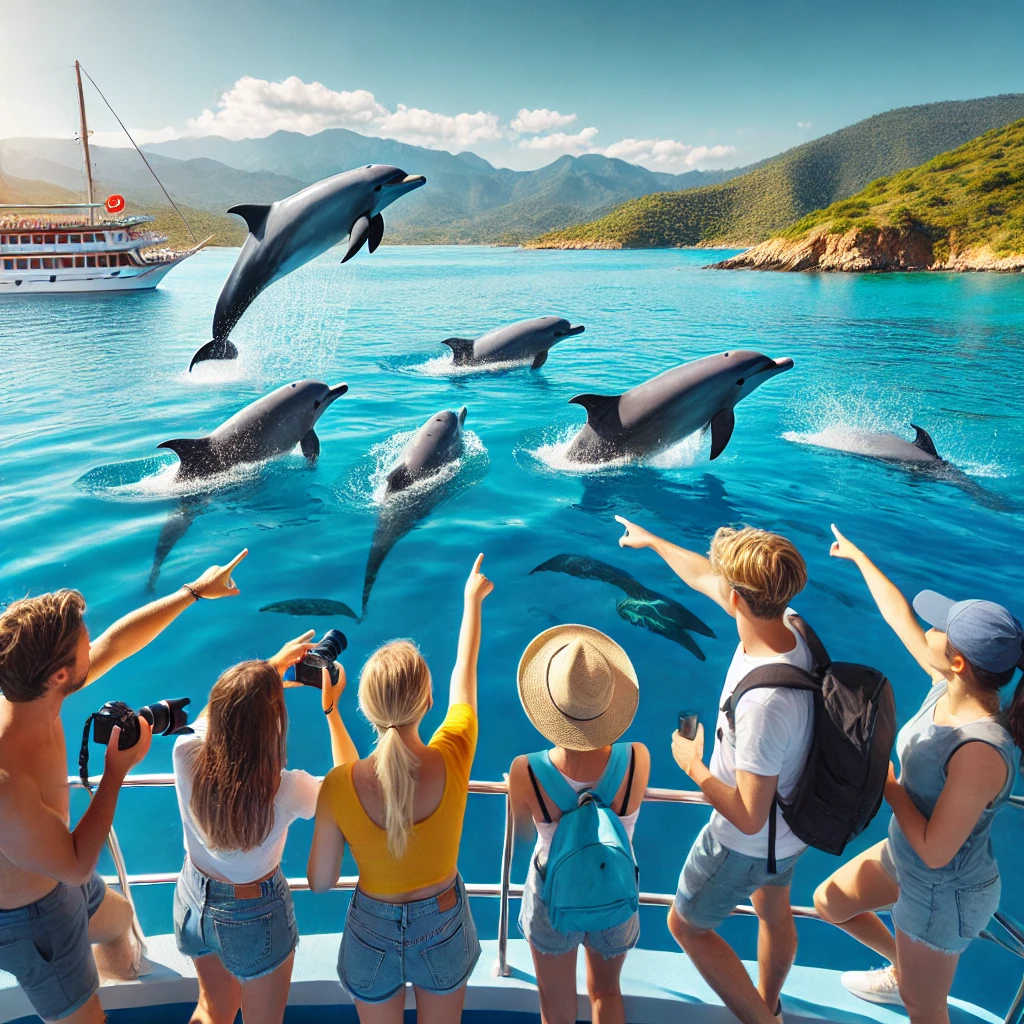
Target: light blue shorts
715,879
535,924
45,945
432,943
252,936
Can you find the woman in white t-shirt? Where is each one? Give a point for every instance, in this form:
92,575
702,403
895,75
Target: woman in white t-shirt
233,912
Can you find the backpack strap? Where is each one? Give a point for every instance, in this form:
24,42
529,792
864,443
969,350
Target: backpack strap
536,793
611,778
813,641
562,794
629,781
781,676
772,826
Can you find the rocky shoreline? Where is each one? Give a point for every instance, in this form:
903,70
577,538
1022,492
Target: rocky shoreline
862,250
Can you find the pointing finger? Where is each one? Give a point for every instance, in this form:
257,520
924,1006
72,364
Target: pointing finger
835,530
478,562
234,561
625,522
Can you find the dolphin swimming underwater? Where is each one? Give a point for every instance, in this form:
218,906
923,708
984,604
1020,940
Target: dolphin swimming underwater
272,425
887,447
527,339
665,409
434,445
286,234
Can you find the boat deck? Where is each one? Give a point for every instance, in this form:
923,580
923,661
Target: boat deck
656,985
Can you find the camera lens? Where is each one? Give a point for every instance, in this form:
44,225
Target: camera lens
327,650
166,716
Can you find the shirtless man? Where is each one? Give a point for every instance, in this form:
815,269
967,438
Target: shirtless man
53,905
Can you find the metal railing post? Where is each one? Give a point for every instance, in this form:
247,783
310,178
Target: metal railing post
1015,1015
506,877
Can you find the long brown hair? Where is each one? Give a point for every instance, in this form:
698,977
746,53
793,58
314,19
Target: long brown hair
394,690
236,772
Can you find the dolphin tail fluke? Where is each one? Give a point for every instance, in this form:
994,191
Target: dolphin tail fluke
602,412
924,441
254,215
222,349
357,237
722,424
195,454
376,232
310,445
462,349
539,360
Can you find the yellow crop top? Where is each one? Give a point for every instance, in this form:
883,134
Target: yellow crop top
433,842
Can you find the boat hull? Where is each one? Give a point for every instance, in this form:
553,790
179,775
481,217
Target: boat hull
39,282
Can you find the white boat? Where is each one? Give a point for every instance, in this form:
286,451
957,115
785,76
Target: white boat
658,987
82,247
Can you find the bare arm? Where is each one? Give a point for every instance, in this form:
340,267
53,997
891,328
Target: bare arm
463,685
343,750
323,868
975,775
746,805
36,837
133,631
895,608
523,799
693,569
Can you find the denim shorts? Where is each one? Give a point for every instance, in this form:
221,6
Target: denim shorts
45,945
252,936
432,943
945,913
535,924
715,879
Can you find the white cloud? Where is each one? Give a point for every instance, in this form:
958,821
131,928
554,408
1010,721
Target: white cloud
666,154
803,124
533,122
558,143
425,128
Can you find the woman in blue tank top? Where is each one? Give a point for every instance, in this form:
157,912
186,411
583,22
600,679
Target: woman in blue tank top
959,756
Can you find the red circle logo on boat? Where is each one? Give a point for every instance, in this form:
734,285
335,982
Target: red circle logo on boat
114,204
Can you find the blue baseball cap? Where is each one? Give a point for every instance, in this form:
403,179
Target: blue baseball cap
985,633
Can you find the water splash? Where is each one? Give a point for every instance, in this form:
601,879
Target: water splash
553,453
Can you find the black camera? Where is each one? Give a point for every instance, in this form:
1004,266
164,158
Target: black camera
166,717
323,655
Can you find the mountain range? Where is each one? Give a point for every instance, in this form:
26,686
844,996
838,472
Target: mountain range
765,198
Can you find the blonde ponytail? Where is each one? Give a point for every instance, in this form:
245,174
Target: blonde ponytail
394,691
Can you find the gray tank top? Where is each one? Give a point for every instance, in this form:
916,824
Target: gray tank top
924,750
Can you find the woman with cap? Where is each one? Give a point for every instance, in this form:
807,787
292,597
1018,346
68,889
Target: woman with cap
959,756
580,691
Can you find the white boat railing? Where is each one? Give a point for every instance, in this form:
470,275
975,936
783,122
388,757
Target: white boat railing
505,890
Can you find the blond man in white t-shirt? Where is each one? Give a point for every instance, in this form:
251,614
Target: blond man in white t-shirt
753,575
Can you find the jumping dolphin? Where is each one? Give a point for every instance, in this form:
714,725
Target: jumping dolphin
527,339
286,234
665,409
270,426
435,444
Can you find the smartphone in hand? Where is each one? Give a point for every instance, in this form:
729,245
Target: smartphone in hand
688,721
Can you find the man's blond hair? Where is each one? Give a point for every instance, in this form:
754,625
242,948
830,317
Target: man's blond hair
766,570
38,636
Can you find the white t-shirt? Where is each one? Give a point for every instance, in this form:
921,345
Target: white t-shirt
295,799
773,737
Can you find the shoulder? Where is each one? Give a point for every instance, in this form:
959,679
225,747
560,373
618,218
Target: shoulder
774,699
18,792
982,764
459,728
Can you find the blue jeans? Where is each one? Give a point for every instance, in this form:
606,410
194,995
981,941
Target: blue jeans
45,945
714,879
252,934
432,943
535,924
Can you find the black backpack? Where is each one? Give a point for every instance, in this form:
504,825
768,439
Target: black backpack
841,788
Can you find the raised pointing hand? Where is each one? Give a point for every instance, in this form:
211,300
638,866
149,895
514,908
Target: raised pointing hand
478,586
217,582
841,547
635,536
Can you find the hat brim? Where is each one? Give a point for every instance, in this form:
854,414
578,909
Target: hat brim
934,608
552,723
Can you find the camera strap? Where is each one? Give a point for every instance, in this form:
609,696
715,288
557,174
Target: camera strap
83,754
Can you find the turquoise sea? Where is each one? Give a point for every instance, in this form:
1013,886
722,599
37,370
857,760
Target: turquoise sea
91,385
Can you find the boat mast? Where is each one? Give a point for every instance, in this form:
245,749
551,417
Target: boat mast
85,138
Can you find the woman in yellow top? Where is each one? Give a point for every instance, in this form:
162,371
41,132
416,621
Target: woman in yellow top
400,810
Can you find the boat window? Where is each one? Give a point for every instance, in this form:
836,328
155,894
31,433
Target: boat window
35,264
25,239
50,240
23,264
120,236
62,239
3,239
8,264
47,263
90,261
76,239
37,239
79,261
101,261
126,260
67,261
87,238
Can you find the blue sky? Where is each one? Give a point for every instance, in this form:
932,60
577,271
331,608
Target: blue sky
671,85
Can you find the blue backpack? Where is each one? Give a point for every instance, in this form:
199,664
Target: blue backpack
590,881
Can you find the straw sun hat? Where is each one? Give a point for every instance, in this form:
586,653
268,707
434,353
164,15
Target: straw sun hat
578,687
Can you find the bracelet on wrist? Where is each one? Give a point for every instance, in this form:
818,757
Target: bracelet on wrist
192,590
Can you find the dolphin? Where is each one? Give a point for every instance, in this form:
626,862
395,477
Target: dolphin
657,614
435,444
309,606
527,339
889,447
272,425
286,234
665,409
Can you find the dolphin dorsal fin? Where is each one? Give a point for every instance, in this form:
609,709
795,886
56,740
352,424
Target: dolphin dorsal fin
254,215
195,454
924,441
602,411
462,349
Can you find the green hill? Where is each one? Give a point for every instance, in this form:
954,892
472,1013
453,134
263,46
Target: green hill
749,208
962,210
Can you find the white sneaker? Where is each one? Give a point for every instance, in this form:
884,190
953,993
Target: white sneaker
879,986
